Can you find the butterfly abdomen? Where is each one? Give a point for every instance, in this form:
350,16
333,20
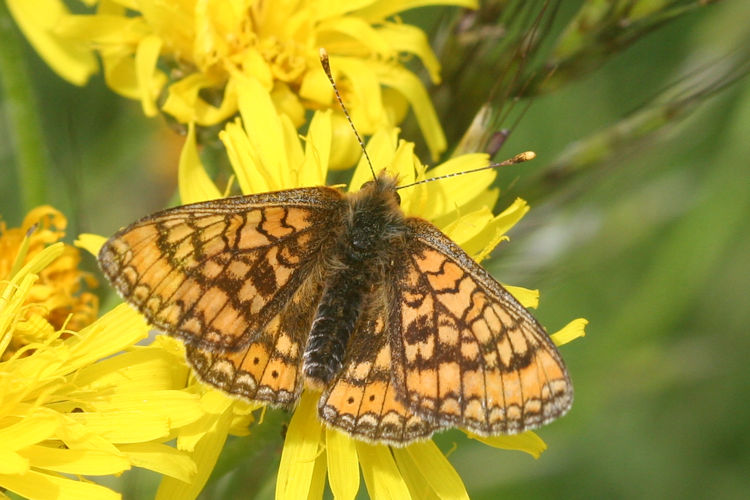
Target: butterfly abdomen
337,313
359,260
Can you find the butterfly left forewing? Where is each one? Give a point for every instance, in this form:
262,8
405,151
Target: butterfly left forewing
473,357
214,273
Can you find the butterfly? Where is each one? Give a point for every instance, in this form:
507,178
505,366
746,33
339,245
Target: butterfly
398,328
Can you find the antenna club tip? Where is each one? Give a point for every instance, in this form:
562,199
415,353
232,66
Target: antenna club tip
326,65
525,156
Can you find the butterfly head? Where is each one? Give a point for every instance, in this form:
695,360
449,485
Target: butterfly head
383,186
375,214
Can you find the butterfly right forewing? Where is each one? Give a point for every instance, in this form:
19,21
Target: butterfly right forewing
472,356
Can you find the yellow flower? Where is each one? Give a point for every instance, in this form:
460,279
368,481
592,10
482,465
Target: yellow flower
267,155
72,403
55,297
201,431
194,59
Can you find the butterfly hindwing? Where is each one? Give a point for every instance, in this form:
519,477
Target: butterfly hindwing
215,273
473,357
362,400
268,368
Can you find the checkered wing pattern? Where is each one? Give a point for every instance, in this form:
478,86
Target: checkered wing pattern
363,399
471,355
230,278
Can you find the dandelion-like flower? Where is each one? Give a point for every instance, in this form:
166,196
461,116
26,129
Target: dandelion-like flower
56,296
69,403
193,60
267,155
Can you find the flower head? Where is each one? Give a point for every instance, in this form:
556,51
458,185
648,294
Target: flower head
71,401
55,297
194,60
267,155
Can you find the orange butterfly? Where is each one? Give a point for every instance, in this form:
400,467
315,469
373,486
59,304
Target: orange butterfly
402,331
399,328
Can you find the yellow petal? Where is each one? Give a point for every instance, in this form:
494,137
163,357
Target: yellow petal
195,184
77,437
205,454
316,87
144,369
412,89
92,243
111,333
150,81
346,149
120,73
301,448
160,458
527,441
343,470
106,30
336,34
185,103
35,484
406,38
511,215
415,481
295,155
491,229
382,477
251,177
381,147
71,59
179,407
366,101
89,462
317,151
12,463
288,103
404,165
336,7
214,404
437,471
571,331
474,225
28,431
318,480
124,426
40,261
265,131
527,297
451,195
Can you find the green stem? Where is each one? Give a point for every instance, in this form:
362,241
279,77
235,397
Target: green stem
24,129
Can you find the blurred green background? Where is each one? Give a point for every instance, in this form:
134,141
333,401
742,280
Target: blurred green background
651,243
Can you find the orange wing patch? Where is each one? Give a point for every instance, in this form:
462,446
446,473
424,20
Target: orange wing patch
363,400
473,356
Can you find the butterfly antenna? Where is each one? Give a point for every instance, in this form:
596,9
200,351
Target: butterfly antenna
327,68
519,158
